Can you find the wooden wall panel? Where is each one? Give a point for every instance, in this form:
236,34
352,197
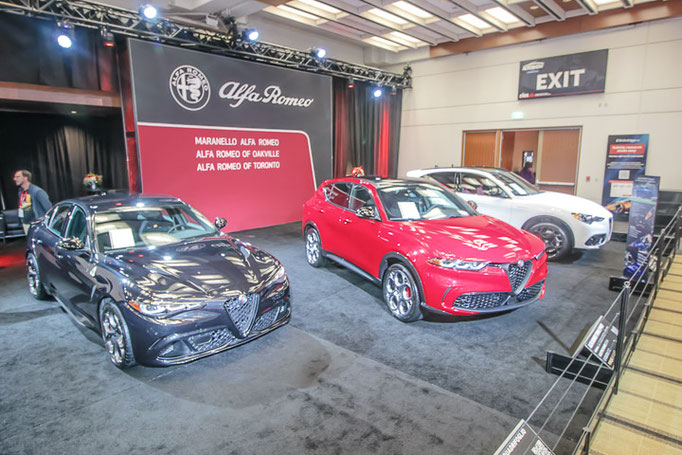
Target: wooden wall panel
560,157
479,148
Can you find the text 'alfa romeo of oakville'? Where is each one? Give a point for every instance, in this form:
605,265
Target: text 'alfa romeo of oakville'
425,246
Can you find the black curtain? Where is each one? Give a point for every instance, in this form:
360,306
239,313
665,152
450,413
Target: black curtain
29,54
59,150
366,129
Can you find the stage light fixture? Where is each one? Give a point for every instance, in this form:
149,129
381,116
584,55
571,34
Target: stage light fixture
149,11
64,40
394,90
319,53
250,34
107,38
350,83
65,37
377,92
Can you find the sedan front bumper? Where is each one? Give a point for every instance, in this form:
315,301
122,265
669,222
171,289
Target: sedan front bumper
199,333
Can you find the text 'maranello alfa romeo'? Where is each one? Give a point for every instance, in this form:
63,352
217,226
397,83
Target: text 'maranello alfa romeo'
425,246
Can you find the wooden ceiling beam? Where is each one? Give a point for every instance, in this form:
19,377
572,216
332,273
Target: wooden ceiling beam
571,26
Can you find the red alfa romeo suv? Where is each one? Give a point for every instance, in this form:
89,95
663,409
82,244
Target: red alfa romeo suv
426,247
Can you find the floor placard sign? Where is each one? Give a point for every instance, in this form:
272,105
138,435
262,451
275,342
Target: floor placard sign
601,341
523,440
625,161
641,226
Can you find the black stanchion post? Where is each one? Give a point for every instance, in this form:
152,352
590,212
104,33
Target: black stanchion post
620,341
588,436
659,265
677,232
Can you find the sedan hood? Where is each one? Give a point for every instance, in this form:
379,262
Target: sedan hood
205,268
568,202
476,238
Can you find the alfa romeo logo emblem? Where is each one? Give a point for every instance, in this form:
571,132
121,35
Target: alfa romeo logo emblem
189,87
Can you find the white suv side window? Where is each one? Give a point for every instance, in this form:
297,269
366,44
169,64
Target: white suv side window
479,184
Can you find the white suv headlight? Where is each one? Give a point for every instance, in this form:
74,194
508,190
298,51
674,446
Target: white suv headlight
585,218
458,264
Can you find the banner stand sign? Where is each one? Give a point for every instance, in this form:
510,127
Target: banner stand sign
641,226
236,139
625,161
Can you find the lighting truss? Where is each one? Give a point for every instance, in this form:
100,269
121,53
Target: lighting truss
174,32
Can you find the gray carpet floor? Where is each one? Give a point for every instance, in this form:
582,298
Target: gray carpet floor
343,377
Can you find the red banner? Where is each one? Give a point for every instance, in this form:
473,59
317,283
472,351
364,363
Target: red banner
251,177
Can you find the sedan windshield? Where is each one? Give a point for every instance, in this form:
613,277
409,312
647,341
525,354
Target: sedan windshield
421,201
517,184
149,226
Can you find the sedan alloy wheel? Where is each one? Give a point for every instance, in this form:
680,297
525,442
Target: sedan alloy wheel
116,336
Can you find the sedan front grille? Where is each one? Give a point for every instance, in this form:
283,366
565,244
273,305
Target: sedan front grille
242,311
481,301
518,274
266,320
211,340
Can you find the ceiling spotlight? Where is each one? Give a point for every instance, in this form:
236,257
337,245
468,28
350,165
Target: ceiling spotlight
149,11
319,53
64,40
394,90
107,37
65,36
250,34
377,92
350,83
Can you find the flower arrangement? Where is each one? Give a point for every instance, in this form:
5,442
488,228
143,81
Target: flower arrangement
92,182
357,171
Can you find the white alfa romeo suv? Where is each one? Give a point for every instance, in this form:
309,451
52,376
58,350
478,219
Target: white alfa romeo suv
562,221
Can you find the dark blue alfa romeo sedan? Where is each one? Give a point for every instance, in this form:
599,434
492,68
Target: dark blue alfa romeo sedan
158,281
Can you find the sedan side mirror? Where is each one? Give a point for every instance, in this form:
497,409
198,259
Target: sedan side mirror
473,204
220,223
367,211
71,244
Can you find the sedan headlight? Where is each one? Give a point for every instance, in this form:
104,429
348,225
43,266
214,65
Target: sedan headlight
163,308
540,254
279,276
585,218
458,264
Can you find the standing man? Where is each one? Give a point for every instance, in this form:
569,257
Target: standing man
33,200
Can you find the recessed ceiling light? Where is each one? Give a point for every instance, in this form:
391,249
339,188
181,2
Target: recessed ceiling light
387,16
473,20
383,43
502,15
74,112
534,7
291,10
410,8
321,6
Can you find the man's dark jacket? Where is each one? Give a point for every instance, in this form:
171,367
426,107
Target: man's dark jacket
40,203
